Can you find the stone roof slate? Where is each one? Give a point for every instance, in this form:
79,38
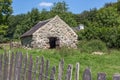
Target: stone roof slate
36,27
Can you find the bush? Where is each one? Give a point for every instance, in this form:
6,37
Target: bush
92,46
3,39
109,35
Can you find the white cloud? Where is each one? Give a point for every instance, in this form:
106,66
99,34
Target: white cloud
45,4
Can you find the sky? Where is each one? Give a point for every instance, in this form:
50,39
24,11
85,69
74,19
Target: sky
75,6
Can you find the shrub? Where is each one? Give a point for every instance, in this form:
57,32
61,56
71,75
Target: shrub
92,46
3,39
109,35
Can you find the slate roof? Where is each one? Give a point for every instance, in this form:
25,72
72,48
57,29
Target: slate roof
36,27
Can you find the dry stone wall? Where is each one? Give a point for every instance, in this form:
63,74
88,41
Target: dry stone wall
55,28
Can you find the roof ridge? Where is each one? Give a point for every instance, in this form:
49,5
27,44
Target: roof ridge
45,20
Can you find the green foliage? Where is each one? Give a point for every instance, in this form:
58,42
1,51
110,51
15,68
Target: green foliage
92,46
109,35
86,16
118,6
34,16
26,22
109,4
107,17
69,19
13,22
60,7
89,33
44,14
5,11
3,39
3,32
3,29
81,35
102,24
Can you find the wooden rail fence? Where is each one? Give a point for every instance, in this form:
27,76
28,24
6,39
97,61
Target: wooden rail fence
22,67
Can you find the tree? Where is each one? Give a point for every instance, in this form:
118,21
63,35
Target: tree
34,16
109,4
44,14
107,17
5,11
3,30
25,22
86,17
118,5
60,7
68,17
102,24
13,21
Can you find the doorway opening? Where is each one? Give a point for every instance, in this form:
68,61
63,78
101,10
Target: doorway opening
53,42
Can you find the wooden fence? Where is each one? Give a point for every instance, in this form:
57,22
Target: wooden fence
22,67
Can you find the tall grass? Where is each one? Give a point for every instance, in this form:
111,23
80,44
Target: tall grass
108,63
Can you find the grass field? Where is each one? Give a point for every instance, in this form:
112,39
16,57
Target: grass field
108,63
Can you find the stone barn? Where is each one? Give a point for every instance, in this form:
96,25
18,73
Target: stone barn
51,33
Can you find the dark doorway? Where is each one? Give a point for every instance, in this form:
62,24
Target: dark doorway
52,42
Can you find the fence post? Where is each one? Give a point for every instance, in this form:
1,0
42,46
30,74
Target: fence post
5,76
19,65
30,69
46,72
11,66
36,68
15,66
116,77
41,69
1,58
77,71
11,45
69,72
101,76
24,67
60,70
8,66
87,74
52,75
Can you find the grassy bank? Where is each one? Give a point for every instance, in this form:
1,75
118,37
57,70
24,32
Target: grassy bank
108,63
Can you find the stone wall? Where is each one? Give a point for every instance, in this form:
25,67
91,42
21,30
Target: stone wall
55,28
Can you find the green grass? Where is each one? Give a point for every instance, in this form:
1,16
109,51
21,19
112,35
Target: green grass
108,63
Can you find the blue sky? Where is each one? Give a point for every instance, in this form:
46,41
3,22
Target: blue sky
75,6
